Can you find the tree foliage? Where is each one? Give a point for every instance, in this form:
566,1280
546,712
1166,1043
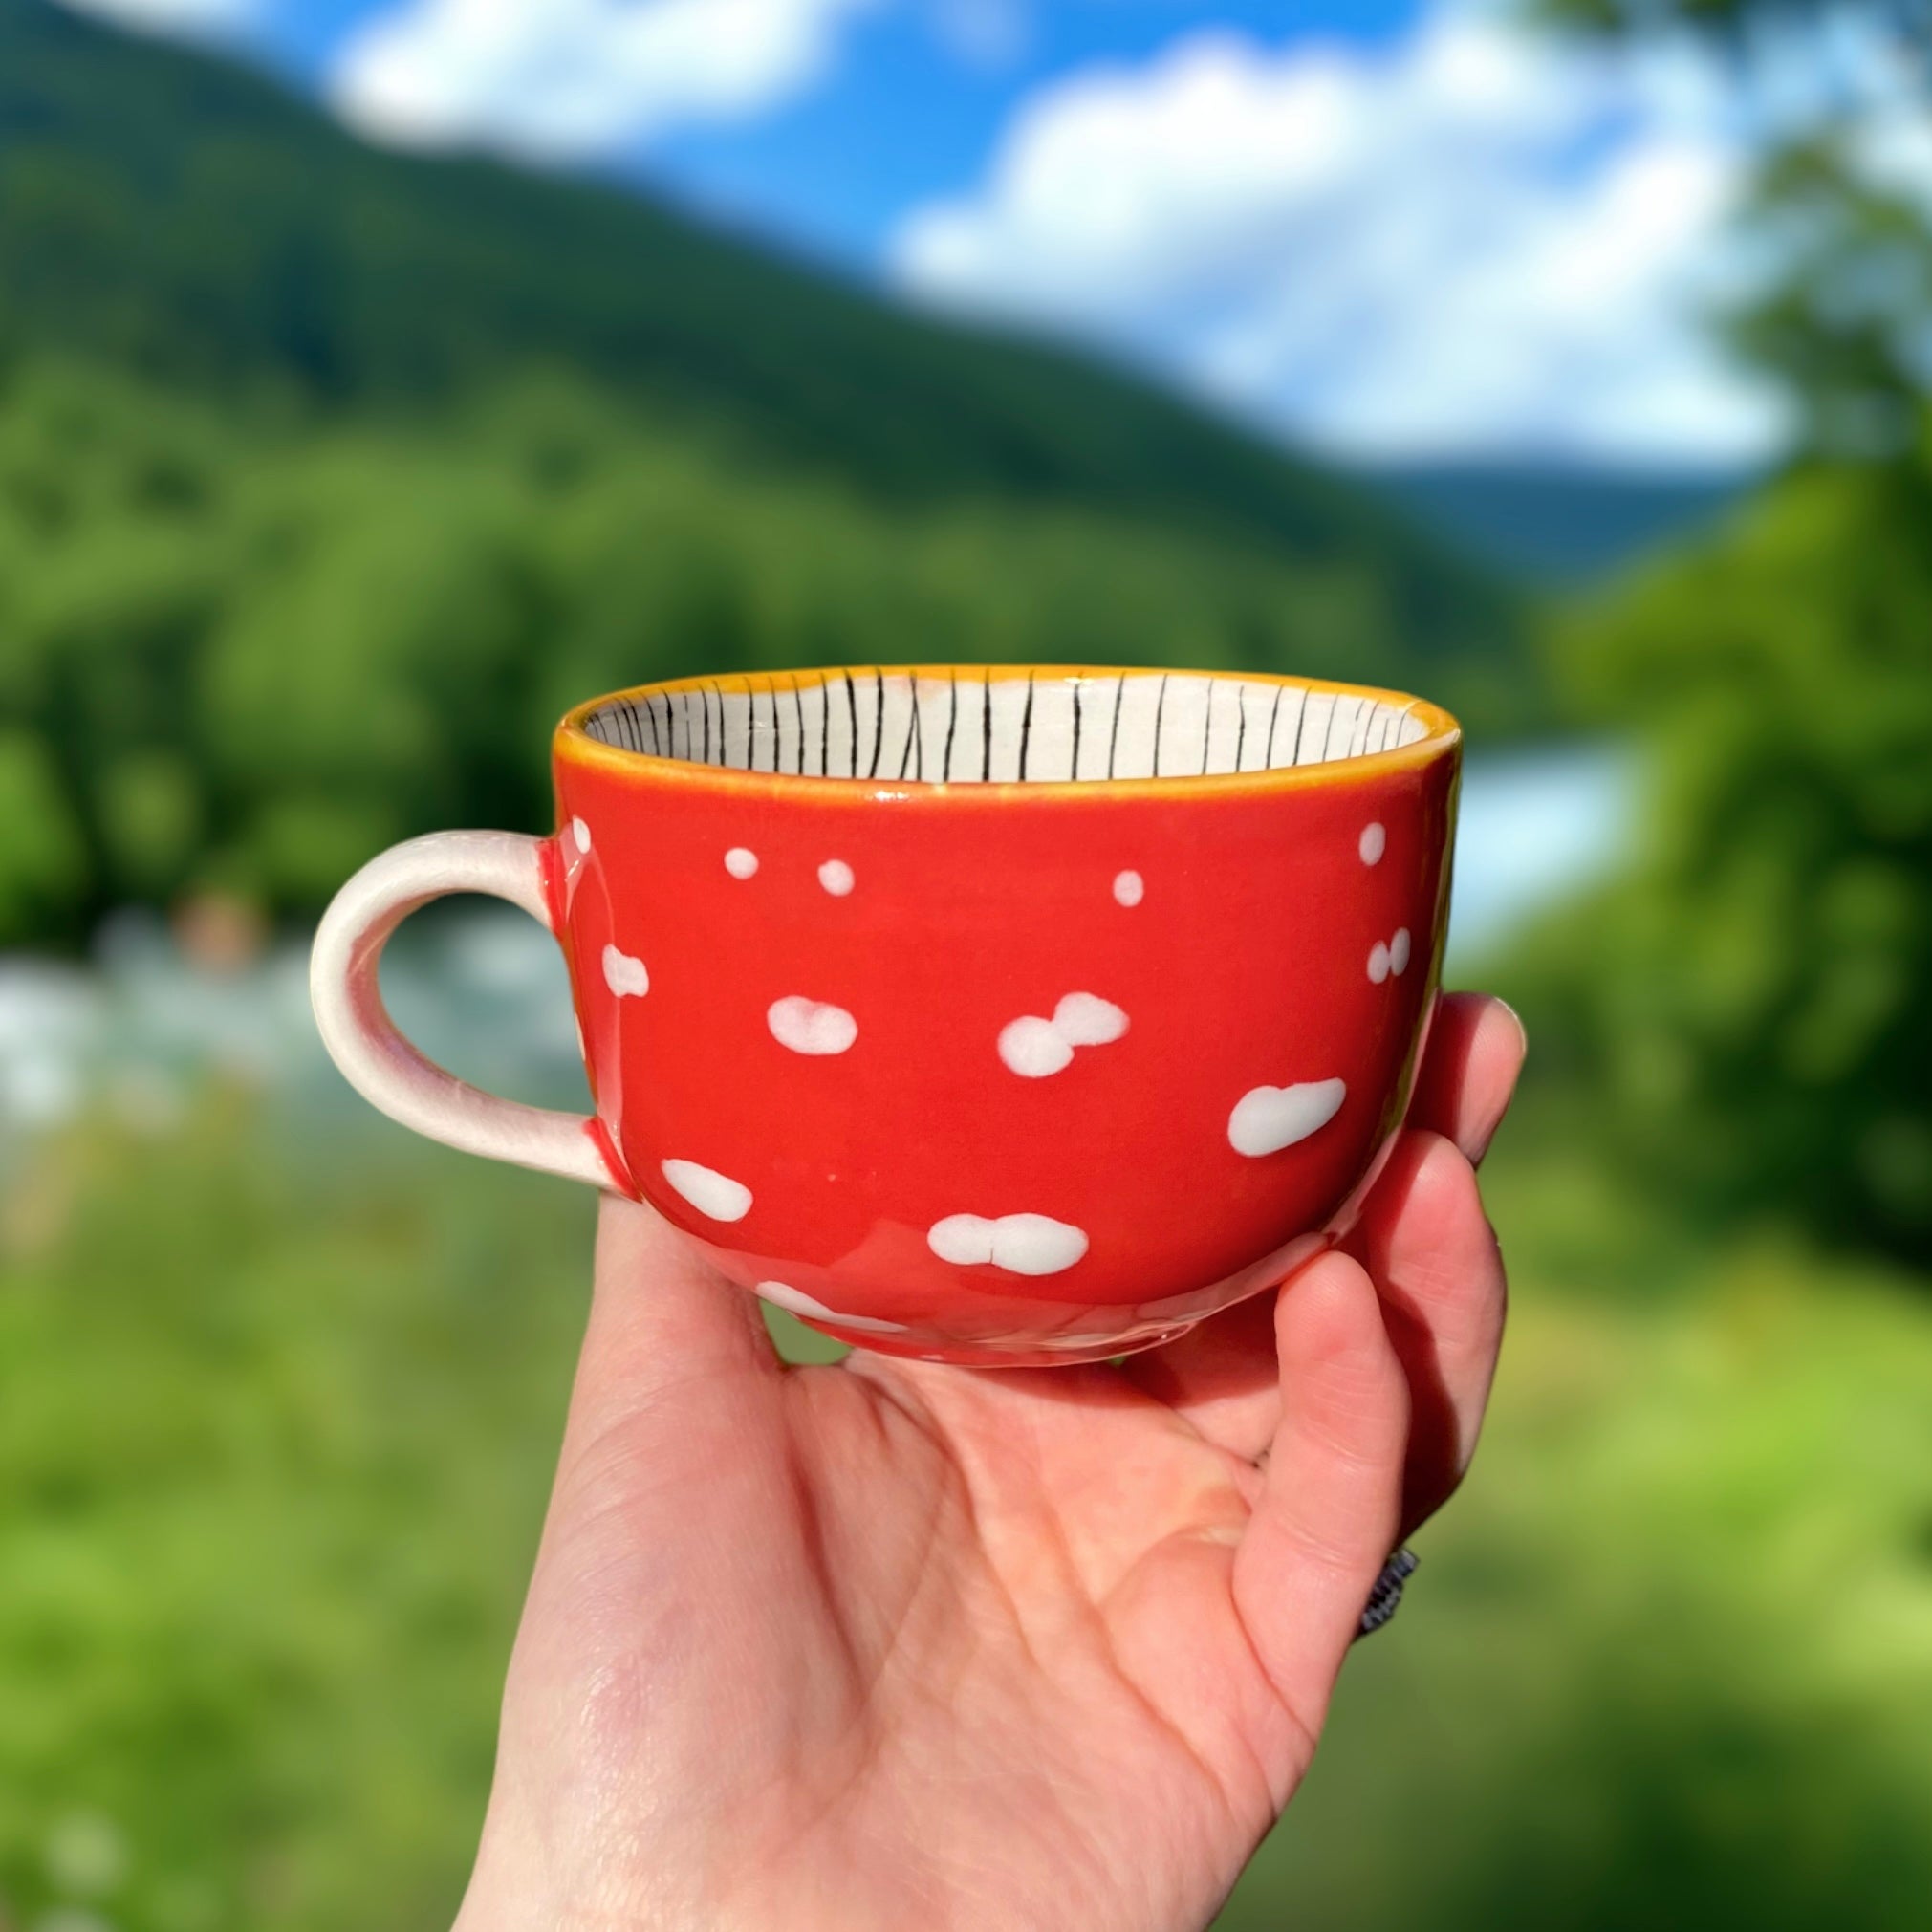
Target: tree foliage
244,657
1751,1005
1844,321
1836,302
328,478
170,214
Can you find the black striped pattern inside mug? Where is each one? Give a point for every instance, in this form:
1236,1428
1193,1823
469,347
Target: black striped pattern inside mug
974,727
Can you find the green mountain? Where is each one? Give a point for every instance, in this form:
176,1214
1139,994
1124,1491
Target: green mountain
328,476
1563,525
192,220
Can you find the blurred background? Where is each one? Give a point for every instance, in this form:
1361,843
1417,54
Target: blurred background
379,376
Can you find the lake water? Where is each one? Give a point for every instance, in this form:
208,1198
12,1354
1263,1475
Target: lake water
1536,827
482,988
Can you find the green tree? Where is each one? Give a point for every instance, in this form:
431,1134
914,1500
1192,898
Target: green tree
1750,1003
250,654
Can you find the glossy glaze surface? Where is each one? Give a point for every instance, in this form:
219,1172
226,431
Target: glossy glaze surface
1001,1071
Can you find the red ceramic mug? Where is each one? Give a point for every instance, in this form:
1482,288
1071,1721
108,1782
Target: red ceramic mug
998,1016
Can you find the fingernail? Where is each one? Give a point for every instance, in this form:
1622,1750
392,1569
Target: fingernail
1522,1032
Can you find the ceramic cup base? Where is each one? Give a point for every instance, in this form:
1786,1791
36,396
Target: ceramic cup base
938,1348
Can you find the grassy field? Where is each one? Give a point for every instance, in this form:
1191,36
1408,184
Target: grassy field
278,1419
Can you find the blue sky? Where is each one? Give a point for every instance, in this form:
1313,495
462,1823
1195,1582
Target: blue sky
909,110
1392,229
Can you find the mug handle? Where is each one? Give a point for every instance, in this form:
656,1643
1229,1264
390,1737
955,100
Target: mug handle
383,1066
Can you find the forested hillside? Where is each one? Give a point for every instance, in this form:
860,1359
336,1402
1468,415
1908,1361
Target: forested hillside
328,476
189,218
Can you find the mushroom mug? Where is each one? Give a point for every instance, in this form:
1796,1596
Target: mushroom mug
1009,1016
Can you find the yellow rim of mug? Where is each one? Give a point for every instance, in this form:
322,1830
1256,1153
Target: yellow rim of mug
574,745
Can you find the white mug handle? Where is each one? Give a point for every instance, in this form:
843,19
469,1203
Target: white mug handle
364,1040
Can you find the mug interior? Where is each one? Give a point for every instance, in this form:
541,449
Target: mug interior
974,725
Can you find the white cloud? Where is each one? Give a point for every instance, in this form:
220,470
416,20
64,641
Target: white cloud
184,19
568,79
1467,243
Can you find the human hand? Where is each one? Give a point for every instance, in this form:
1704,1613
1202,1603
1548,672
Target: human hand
900,1646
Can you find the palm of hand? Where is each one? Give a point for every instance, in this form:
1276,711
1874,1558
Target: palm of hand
887,1646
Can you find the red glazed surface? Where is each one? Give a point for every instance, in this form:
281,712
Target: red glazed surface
1246,964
